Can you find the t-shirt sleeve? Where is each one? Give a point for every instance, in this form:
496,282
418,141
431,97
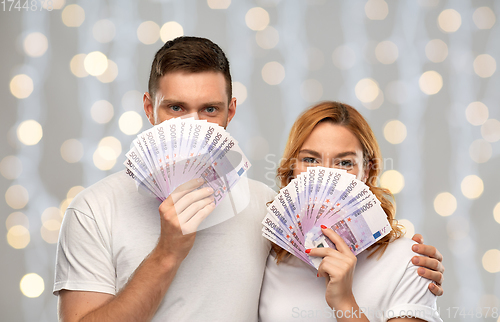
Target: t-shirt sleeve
412,298
83,258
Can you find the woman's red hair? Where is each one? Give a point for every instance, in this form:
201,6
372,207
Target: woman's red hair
347,116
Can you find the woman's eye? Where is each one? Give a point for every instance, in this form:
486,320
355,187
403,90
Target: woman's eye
346,163
175,108
309,160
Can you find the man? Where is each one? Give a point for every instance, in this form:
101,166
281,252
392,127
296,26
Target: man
117,260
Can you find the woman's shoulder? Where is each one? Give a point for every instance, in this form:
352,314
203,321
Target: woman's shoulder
400,247
390,272
397,256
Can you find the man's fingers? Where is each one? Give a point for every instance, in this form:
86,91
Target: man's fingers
438,256
184,189
418,238
192,225
190,198
193,208
427,262
436,289
427,250
430,274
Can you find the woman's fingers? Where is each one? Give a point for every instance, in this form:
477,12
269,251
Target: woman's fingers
337,240
335,261
335,268
323,252
327,269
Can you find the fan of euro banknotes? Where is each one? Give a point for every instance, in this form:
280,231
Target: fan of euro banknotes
329,197
178,150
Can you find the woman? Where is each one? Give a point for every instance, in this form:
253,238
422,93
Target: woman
381,283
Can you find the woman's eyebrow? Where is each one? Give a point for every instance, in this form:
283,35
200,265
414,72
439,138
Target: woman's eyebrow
311,152
345,154
318,155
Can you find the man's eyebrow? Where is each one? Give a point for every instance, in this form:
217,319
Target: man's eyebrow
214,103
173,101
168,101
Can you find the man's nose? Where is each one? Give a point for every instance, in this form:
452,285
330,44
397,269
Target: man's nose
193,115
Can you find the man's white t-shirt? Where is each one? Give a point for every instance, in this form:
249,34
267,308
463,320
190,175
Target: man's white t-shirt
110,228
383,288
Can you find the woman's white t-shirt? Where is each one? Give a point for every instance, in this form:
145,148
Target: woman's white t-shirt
384,288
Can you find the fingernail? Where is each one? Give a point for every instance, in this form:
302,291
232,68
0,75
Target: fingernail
200,180
317,275
433,286
415,248
323,227
421,271
210,190
308,251
415,260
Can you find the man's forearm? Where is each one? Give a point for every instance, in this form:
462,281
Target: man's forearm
140,298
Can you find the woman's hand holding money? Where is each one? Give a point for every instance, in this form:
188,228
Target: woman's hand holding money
338,268
181,214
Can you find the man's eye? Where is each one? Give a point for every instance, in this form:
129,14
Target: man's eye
210,109
175,108
309,160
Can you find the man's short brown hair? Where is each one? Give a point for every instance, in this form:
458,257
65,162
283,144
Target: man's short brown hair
192,55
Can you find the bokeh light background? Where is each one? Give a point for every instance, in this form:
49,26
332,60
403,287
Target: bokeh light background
424,73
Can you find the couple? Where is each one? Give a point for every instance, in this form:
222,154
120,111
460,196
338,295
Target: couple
119,260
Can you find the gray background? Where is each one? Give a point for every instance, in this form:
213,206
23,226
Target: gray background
433,158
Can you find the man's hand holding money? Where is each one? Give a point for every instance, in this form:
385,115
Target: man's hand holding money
181,214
